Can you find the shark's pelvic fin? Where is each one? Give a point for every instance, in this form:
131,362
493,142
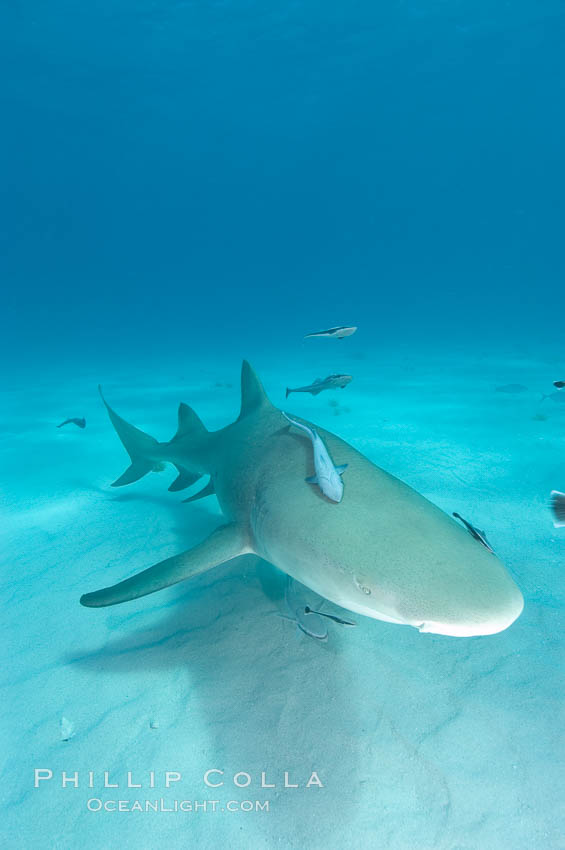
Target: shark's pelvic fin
208,490
190,427
253,396
139,446
224,543
184,479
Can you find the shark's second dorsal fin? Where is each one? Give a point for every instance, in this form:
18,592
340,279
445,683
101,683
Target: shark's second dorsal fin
253,396
189,423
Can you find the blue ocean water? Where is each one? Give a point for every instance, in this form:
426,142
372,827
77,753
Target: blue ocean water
187,184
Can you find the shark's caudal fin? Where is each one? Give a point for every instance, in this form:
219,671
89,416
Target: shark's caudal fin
139,446
188,450
224,543
147,453
253,396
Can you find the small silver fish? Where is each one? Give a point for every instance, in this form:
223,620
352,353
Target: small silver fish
320,384
475,532
328,476
336,333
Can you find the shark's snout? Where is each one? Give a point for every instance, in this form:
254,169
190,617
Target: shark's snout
490,620
466,596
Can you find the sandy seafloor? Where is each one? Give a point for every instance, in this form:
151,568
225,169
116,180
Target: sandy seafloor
420,740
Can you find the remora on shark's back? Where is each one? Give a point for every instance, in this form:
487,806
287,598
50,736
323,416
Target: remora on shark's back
326,475
477,533
385,551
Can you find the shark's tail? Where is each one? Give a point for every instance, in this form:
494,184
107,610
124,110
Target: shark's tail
288,392
147,454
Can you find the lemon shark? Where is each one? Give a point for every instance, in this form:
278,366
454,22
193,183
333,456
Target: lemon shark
384,551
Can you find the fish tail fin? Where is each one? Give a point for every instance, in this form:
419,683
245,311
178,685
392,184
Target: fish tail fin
140,447
557,504
288,392
147,454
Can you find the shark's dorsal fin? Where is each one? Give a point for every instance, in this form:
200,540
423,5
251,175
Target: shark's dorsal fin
253,396
189,423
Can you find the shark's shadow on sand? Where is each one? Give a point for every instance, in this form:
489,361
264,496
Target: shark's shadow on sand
258,694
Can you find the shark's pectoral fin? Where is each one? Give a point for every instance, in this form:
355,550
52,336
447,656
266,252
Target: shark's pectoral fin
184,479
341,469
312,479
224,543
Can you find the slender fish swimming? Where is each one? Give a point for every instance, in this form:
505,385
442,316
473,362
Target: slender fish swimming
320,384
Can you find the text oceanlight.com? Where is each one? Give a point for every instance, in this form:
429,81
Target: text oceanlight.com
95,804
